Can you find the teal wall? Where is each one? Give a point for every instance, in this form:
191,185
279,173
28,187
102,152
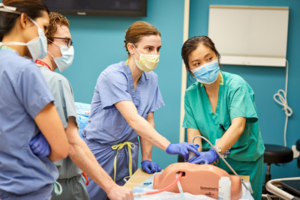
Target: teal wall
98,43
266,81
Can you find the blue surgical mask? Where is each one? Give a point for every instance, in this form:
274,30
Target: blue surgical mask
37,46
207,73
66,60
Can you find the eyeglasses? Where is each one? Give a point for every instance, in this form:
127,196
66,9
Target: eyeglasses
67,40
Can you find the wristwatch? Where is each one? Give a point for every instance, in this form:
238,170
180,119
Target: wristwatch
219,150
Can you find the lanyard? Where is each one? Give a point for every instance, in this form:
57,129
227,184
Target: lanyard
7,48
43,63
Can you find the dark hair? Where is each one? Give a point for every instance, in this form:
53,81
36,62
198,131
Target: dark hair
191,44
137,30
33,8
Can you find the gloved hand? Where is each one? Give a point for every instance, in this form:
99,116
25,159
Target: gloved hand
183,149
208,157
150,167
40,146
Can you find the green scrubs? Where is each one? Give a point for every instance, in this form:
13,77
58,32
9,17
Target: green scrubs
236,99
70,176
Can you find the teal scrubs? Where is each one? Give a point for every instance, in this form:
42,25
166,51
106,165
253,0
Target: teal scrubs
236,99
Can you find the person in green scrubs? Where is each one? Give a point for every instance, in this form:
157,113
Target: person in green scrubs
220,106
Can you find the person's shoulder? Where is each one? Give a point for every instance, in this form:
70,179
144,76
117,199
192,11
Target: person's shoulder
192,88
13,61
54,77
150,78
114,71
192,91
151,75
234,80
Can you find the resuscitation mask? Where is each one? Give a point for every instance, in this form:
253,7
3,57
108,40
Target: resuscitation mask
37,46
147,63
66,60
207,73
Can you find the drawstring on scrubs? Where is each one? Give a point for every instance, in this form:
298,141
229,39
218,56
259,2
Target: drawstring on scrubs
118,147
56,190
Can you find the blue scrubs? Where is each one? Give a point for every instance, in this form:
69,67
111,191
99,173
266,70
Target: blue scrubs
23,94
107,126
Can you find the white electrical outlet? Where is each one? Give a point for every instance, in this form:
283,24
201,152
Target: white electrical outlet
295,152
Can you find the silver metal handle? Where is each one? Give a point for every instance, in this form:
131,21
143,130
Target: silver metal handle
278,192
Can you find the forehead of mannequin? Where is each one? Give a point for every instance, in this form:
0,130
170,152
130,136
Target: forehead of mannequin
62,32
147,45
200,56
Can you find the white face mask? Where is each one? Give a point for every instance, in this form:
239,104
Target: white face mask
37,46
147,63
66,60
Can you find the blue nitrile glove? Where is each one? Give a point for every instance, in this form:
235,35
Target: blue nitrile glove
40,146
183,149
150,167
208,157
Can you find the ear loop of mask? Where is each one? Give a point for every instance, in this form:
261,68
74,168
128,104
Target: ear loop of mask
49,52
135,49
137,62
10,11
17,43
205,65
54,43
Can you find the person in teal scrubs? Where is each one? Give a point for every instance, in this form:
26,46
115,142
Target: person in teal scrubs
220,106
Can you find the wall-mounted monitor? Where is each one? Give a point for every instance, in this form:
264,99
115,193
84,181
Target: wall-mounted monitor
130,8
